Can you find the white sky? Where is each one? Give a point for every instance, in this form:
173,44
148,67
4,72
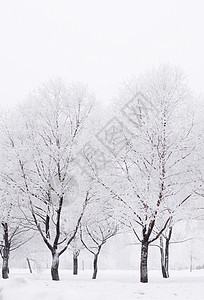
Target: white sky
100,42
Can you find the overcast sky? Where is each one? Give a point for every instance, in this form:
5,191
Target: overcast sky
100,42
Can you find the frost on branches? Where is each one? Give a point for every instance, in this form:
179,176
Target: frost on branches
42,140
152,176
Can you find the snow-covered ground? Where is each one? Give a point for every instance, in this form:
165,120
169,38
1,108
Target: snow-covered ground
120,285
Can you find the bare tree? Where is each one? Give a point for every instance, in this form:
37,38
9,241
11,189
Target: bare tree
76,246
14,230
14,236
94,234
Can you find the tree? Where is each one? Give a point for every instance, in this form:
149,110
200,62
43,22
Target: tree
165,239
14,231
76,246
164,250
153,168
42,146
96,229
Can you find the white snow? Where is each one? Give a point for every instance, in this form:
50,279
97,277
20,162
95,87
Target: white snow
120,285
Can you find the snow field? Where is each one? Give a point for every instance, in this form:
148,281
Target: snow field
110,285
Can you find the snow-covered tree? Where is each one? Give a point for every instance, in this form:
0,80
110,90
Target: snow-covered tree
14,231
152,145
76,247
42,145
97,228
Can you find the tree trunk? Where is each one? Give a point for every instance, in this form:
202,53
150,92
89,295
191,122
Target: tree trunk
5,252
191,263
5,268
143,262
95,266
163,259
167,251
55,266
75,264
167,258
29,265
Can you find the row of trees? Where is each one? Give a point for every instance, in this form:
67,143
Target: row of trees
141,171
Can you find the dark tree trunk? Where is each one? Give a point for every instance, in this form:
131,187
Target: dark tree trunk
163,265
167,251
5,252
164,250
75,263
5,268
167,258
55,267
29,265
143,262
165,273
95,266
